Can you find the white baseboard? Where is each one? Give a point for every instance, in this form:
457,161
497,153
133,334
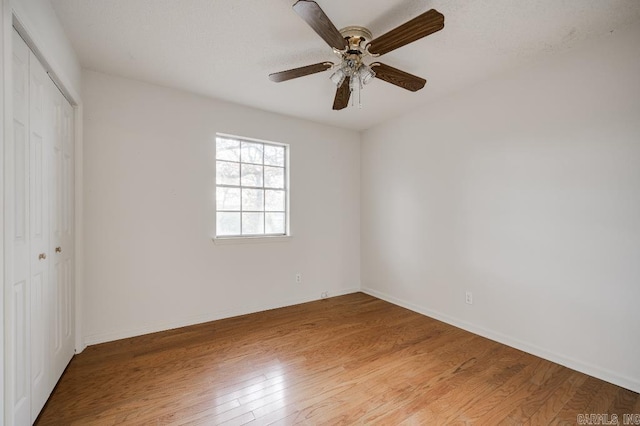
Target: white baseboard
583,367
94,339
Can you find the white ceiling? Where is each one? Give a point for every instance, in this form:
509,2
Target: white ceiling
226,48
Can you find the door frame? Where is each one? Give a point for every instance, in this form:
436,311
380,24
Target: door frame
12,16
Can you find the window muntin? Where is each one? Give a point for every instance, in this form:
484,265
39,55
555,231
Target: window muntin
251,187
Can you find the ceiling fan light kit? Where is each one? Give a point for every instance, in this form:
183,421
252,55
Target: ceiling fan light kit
353,44
351,63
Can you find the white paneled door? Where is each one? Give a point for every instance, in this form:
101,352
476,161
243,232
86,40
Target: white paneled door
38,239
39,147
61,225
17,249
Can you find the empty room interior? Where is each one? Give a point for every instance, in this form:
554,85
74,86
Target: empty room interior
318,212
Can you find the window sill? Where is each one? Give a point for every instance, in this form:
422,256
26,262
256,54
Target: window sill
251,240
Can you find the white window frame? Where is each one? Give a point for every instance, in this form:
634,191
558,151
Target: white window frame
253,237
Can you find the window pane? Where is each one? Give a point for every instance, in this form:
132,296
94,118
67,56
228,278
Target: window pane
252,199
251,175
252,223
251,152
227,173
228,198
227,149
251,193
274,200
274,177
228,223
274,155
274,223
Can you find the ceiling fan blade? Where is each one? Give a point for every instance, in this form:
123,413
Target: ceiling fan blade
398,77
321,24
341,101
299,72
420,26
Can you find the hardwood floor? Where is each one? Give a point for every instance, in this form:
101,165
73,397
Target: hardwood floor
345,360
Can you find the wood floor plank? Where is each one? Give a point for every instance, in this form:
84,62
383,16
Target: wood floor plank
453,406
548,410
579,402
530,399
623,403
497,396
352,359
603,399
274,411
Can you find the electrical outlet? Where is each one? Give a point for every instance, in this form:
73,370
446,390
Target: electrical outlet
299,278
468,297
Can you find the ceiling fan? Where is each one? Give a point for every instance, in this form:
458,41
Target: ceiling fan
353,44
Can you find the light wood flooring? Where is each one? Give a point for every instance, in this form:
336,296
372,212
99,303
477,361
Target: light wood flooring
346,360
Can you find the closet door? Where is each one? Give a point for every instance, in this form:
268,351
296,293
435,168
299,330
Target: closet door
40,141
17,247
38,227
62,248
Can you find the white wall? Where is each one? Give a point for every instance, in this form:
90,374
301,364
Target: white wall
149,183
524,190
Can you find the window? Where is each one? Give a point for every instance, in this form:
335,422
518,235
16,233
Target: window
251,187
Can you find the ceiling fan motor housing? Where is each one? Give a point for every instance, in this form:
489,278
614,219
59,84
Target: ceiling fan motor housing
357,37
